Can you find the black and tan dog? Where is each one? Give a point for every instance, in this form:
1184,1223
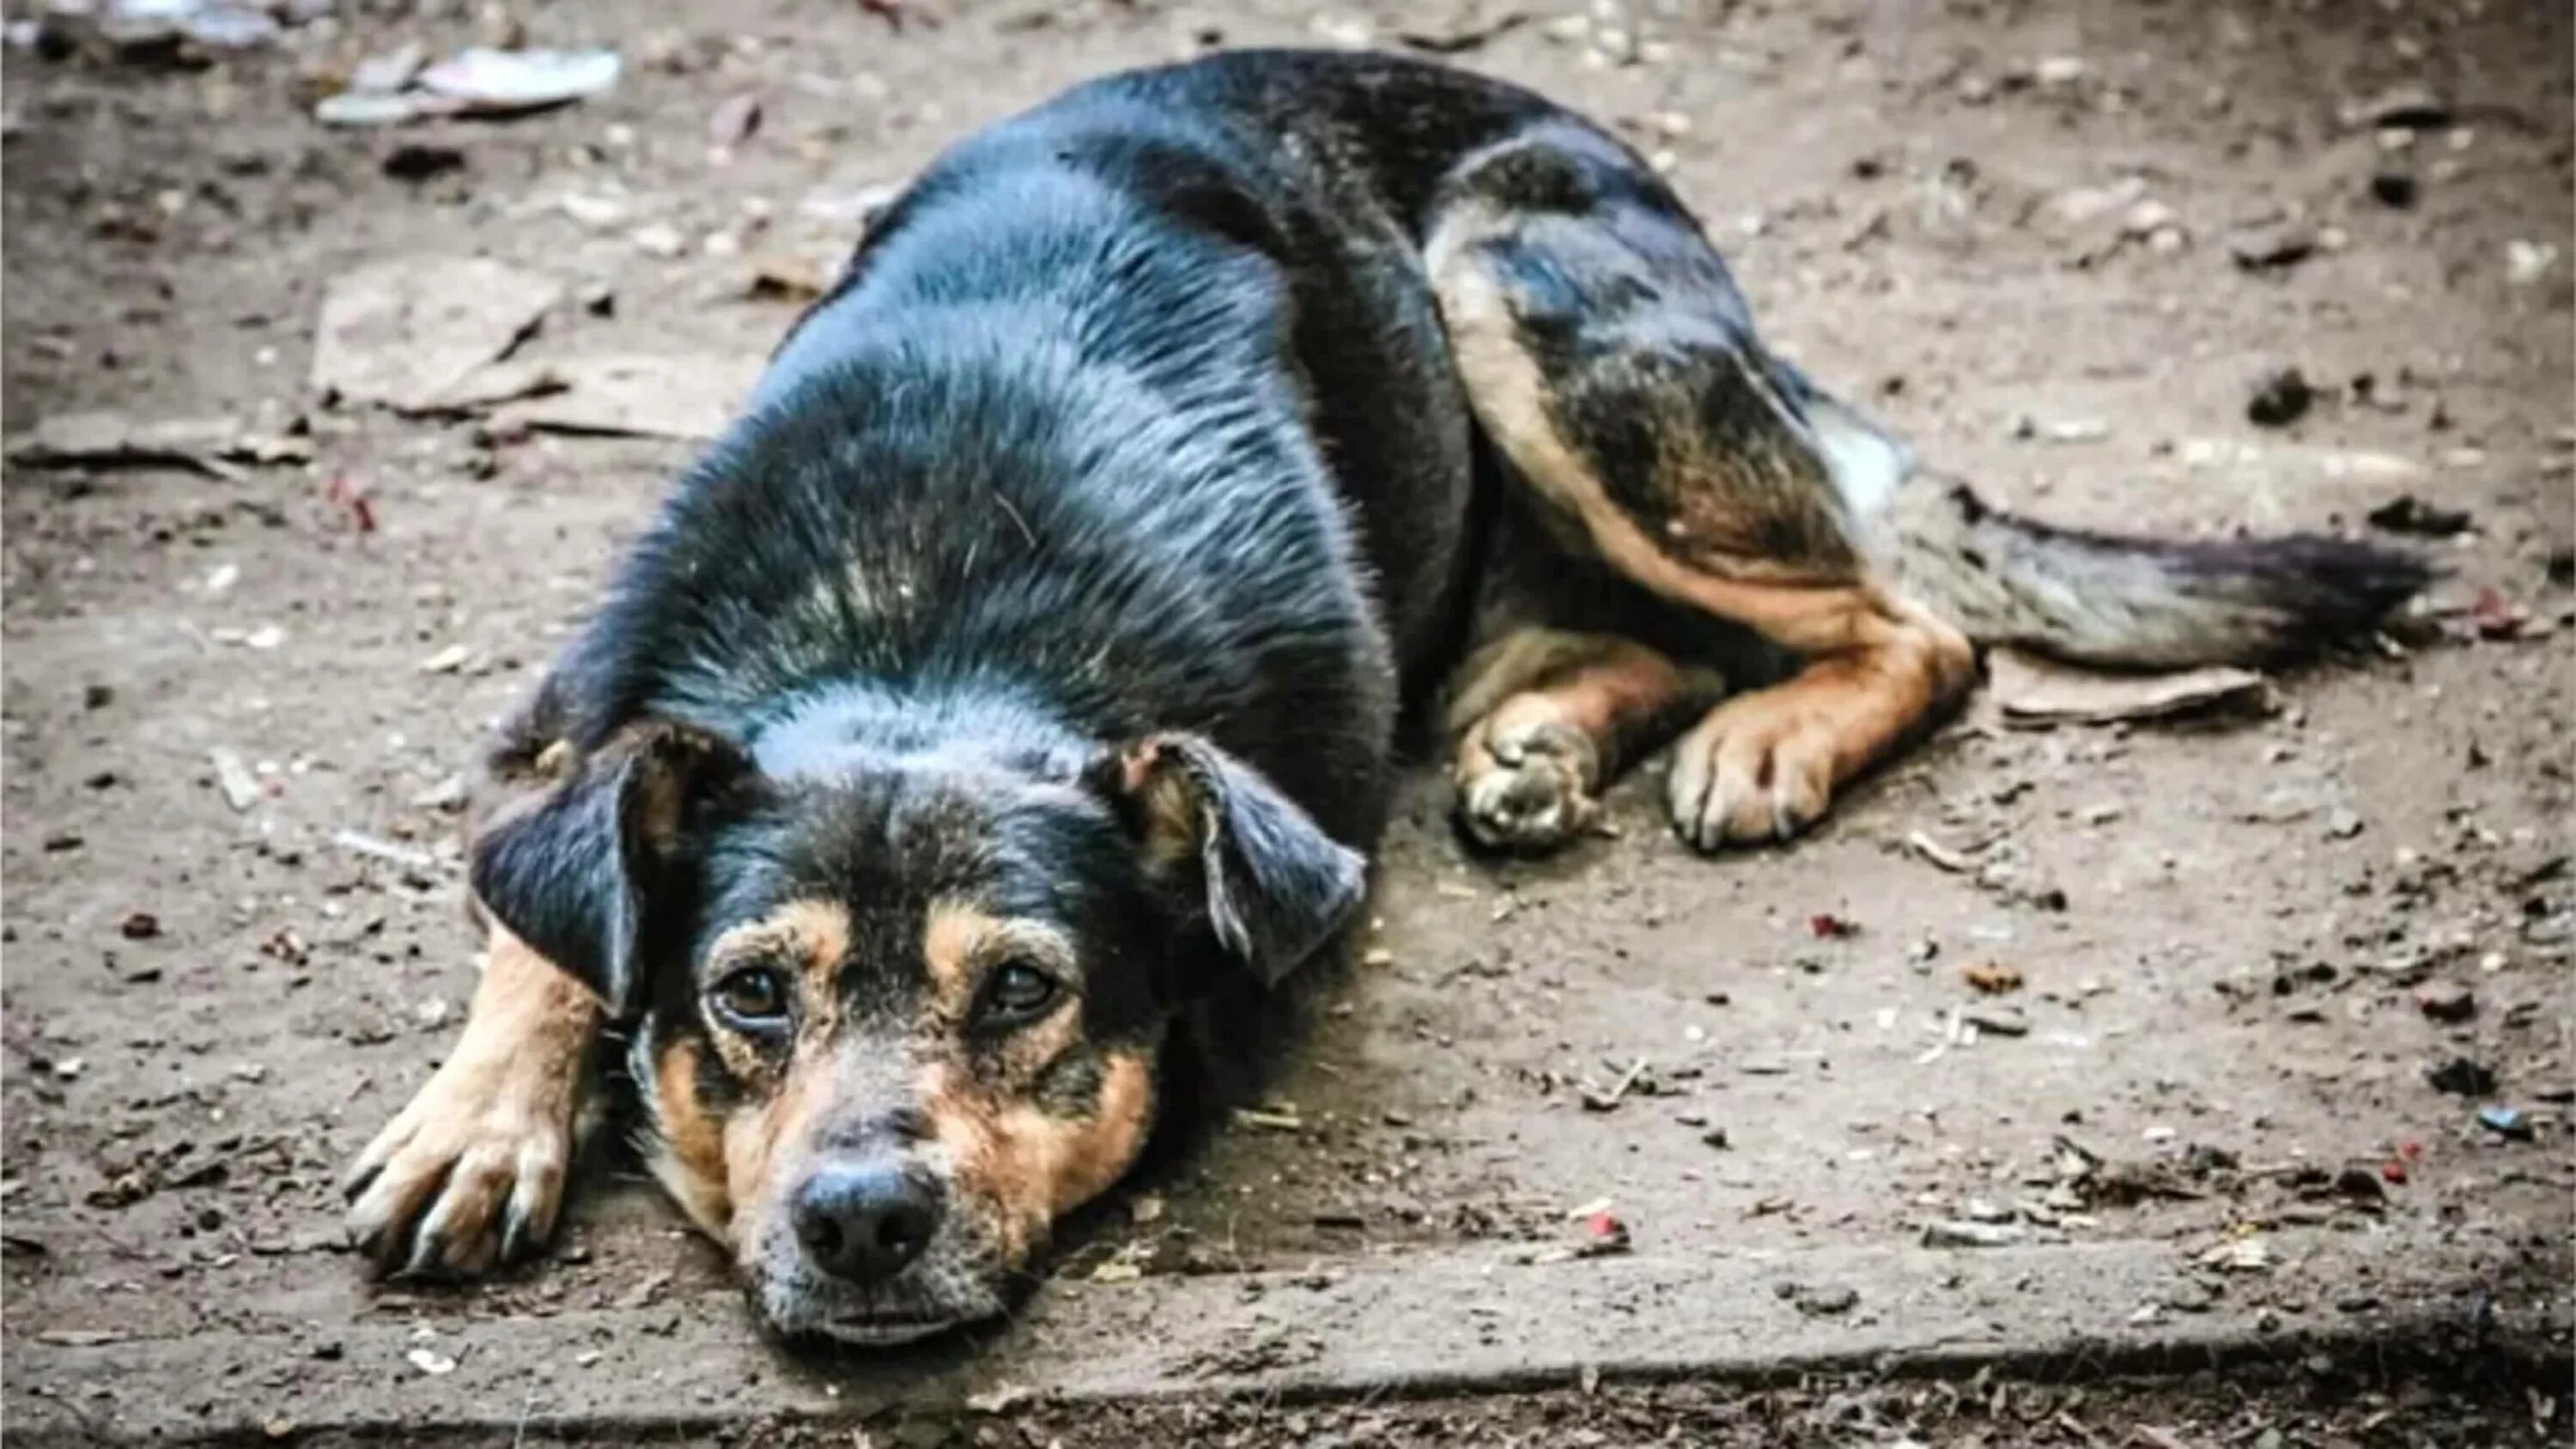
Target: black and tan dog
1005,705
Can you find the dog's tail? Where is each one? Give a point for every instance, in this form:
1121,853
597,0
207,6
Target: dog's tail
2139,603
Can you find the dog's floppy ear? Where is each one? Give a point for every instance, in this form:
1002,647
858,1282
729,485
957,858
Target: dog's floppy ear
1274,887
572,870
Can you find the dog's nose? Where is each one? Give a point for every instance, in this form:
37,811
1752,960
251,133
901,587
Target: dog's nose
864,1221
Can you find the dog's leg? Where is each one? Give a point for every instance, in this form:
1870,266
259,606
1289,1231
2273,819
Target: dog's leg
472,1172
1545,720
1609,358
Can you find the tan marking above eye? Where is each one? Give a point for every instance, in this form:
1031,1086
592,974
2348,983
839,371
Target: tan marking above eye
962,942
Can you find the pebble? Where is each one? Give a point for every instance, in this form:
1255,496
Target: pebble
233,777
1997,1020
2527,262
2446,1001
2461,1077
1974,1235
2280,399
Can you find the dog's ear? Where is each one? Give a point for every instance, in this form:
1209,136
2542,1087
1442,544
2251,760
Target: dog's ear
1273,886
573,868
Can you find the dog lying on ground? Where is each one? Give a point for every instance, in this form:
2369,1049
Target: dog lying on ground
1005,707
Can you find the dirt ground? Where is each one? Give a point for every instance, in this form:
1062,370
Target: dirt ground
2058,246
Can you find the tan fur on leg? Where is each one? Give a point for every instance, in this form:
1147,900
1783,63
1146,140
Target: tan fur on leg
472,1172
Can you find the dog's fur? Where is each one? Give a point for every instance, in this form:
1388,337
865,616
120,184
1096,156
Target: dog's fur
1011,695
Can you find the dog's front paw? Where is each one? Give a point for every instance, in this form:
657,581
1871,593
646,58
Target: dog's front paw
472,1172
1527,784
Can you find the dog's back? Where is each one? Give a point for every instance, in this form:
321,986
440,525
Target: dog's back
1137,402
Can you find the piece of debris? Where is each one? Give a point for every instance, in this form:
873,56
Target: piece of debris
2063,430
1826,1302
2407,513
1281,1119
2271,246
1938,854
107,439
2034,692
2446,1001
390,71
2406,105
418,161
2527,262
1464,38
1974,1235
430,1361
2507,1122
787,279
475,82
1997,1020
139,926
1826,926
447,660
736,119
2395,190
2461,1077
1991,977
358,842
1609,1101
2280,399
409,331
350,497
2496,617
1604,1235
80,1337
233,777
448,794
2239,1255
689,397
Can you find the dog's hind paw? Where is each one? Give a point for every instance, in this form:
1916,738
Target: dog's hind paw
1527,785
1758,769
471,1174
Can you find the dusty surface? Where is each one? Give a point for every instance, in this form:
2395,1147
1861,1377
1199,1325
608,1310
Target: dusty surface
208,1009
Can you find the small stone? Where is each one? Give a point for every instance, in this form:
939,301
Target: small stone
447,660
2262,248
2280,399
2394,189
2508,1122
1997,1020
2342,824
2446,1001
1824,1302
2461,1077
447,795
1974,1235
2527,262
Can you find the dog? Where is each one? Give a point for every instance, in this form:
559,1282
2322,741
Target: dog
1003,710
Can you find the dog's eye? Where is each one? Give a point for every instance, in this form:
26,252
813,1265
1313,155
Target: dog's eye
1018,992
754,997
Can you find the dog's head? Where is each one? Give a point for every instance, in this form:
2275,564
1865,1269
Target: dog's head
895,1017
